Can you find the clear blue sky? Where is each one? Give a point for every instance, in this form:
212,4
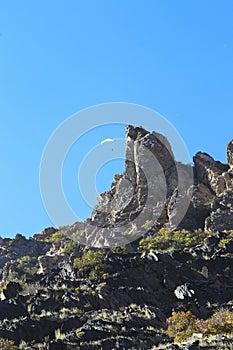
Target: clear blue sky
58,57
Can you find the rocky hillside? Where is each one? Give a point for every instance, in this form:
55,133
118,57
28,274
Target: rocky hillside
151,269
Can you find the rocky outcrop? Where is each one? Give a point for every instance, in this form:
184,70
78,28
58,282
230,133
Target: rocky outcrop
209,172
48,263
230,154
45,234
156,188
53,298
143,193
128,307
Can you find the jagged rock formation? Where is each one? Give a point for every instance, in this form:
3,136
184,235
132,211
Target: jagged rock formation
52,298
155,187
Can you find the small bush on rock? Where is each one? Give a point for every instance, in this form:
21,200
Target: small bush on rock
56,237
148,224
93,263
71,247
221,322
227,239
119,250
182,325
7,345
167,240
25,266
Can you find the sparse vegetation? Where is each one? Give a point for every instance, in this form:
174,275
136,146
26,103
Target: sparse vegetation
182,325
119,250
7,345
25,266
227,239
130,232
148,224
221,322
56,237
92,262
71,247
167,240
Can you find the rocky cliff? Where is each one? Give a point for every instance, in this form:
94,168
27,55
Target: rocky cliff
156,188
159,241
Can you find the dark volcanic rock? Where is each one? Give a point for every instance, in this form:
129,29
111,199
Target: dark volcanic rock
10,311
12,289
219,220
56,297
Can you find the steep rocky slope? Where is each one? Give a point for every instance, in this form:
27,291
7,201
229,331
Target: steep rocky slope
159,241
155,187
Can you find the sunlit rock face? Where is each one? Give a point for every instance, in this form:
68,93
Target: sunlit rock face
141,194
156,188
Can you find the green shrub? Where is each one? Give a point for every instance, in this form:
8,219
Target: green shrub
93,263
227,239
26,260
162,241
221,322
7,345
182,325
89,259
167,240
71,247
148,224
119,250
56,237
25,266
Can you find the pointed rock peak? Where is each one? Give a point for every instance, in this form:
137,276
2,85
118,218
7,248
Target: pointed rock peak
205,157
205,160
152,138
230,153
164,141
135,132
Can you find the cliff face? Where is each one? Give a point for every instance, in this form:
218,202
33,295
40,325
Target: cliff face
157,189
118,291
